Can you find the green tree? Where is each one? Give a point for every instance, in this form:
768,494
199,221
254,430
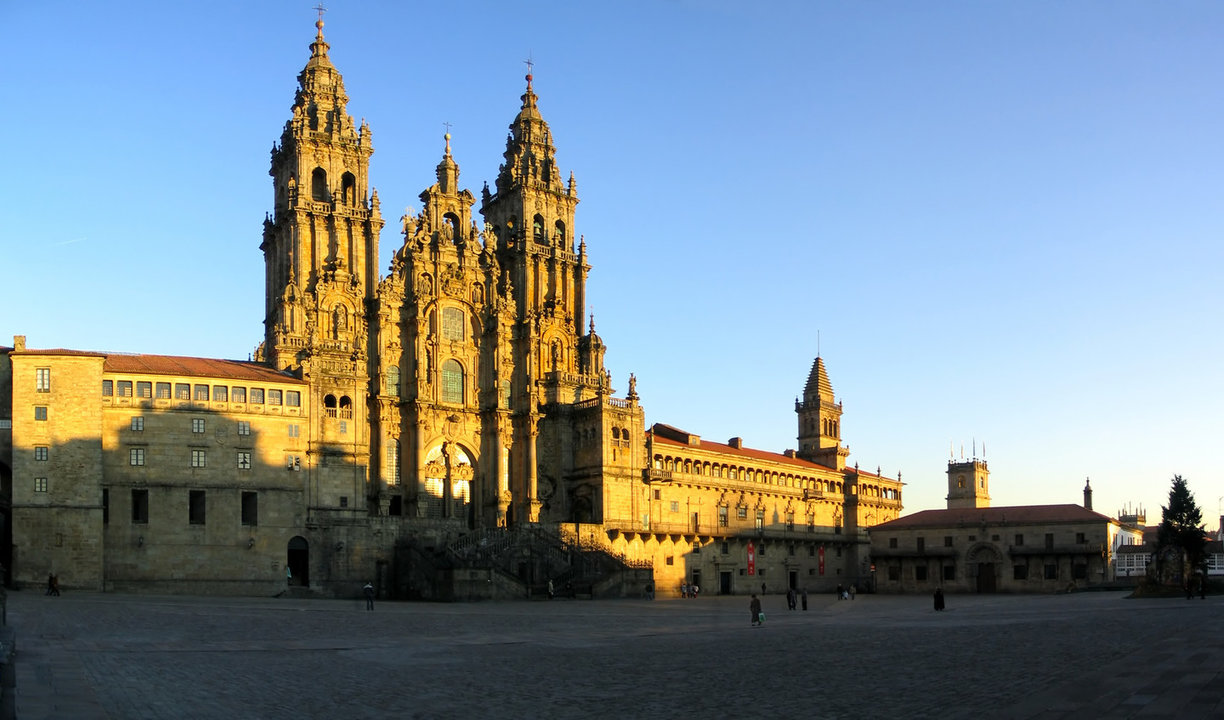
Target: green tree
1182,527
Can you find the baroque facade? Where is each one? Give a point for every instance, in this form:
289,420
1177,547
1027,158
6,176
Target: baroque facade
399,427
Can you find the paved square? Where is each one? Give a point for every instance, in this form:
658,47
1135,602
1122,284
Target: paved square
1085,655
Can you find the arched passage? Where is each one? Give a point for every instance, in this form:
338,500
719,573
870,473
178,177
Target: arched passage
298,562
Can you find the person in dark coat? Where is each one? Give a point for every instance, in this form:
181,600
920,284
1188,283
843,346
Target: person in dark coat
755,607
804,598
368,591
790,598
939,599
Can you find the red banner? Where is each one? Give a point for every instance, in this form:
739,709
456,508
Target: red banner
752,559
822,559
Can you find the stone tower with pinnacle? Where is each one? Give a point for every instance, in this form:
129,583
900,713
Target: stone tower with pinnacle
321,262
820,421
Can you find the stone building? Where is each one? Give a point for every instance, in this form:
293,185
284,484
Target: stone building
447,430
972,547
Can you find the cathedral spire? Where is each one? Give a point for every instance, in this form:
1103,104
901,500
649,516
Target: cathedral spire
818,386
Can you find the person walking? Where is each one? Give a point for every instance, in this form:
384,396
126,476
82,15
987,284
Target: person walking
755,607
368,591
790,598
939,599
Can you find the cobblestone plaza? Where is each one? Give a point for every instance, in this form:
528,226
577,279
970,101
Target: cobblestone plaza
1084,655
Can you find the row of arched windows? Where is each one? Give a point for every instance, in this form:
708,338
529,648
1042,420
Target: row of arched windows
320,192
342,408
731,472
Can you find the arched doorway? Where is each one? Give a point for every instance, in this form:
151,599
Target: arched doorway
446,489
984,563
298,562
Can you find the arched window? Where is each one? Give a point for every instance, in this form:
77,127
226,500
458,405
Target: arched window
537,229
329,406
559,233
318,185
393,381
616,433
452,382
346,408
348,189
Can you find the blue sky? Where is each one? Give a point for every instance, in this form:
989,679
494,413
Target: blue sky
1003,219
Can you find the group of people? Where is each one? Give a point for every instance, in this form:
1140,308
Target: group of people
689,590
793,598
53,585
846,592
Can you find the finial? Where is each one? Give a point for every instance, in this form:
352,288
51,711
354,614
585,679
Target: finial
530,64
319,22
447,137
592,323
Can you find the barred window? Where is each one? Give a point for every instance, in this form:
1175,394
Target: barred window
452,382
452,324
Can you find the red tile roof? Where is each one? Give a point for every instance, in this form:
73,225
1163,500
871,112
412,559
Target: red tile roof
748,453
197,367
1014,515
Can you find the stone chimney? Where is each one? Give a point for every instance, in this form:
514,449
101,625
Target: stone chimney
1087,494
736,442
19,342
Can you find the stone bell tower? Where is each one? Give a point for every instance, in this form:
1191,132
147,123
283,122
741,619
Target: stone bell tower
968,484
820,421
321,257
555,363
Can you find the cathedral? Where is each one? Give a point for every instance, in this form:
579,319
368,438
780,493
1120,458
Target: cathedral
448,430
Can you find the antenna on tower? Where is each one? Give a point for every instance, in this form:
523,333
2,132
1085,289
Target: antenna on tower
818,343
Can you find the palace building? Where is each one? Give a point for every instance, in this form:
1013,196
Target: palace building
448,429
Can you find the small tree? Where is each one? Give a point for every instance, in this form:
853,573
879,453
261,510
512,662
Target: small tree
1181,527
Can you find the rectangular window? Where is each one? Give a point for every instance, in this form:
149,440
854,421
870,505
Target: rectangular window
198,458
244,427
220,393
125,388
675,506
105,506
1020,572
1079,571
670,560
722,516
244,460
250,508
393,463
949,572
42,380
40,413
294,430
163,391
894,573
726,548
761,550
257,396
40,485
108,388
947,541
658,494
140,507
892,542
138,423
41,453
344,427
201,392
293,398
1019,539
197,425
760,520
195,507
452,324
274,397
182,391
344,501
1080,539
741,512
1051,572
136,456
921,544
920,573
238,394
144,389
1049,541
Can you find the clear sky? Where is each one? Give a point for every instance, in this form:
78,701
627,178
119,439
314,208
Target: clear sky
1003,219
